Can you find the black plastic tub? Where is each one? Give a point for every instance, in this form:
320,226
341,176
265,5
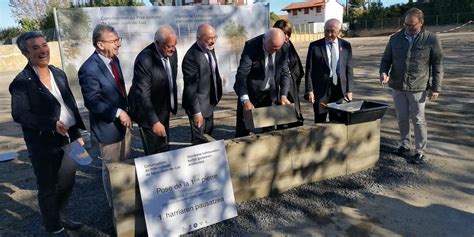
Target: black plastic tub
356,112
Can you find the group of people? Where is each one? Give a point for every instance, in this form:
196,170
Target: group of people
269,73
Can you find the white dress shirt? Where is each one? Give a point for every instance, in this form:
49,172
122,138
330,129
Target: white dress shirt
245,97
66,114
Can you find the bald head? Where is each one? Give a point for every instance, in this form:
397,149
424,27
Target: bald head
273,39
332,23
206,36
165,39
332,28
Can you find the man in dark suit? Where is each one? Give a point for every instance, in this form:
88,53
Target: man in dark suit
153,94
329,70
105,97
44,105
262,77
202,83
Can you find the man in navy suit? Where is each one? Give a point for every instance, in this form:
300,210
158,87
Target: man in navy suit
105,97
153,94
46,109
263,77
202,83
329,70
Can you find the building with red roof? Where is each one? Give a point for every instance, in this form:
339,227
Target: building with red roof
313,14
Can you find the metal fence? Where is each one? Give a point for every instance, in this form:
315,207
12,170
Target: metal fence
433,20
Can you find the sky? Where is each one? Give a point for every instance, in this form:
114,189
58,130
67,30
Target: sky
275,5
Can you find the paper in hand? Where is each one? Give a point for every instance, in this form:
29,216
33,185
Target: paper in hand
8,156
75,151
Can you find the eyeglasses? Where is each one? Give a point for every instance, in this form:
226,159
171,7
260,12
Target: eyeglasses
213,38
115,41
411,25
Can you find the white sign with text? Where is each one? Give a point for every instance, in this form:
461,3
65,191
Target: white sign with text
185,190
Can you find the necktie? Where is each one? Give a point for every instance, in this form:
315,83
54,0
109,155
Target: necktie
213,77
269,74
333,64
118,82
170,80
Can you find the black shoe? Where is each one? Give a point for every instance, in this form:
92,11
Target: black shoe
417,159
72,225
401,151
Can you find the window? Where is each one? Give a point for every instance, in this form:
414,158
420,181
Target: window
318,9
295,12
306,11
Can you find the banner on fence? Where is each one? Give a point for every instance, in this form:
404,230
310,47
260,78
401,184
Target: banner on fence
137,26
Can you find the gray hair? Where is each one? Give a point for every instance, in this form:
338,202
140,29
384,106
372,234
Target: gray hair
331,21
201,28
416,13
21,40
163,33
99,31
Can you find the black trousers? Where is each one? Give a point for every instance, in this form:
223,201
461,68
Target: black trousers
197,134
333,94
152,143
55,176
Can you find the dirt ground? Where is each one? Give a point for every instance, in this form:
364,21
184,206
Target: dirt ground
391,199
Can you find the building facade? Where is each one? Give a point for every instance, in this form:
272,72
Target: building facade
310,16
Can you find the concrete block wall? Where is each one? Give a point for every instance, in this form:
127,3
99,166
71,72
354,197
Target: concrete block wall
265,164
129,219
274,162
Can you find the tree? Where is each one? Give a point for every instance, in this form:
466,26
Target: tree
273,18
442,7
7,34
35,10
357,3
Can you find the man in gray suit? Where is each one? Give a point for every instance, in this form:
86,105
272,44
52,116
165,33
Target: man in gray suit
263,77
202,83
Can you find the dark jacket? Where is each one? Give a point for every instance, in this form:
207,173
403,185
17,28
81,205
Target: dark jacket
410,66
198,95
36,109
297,73
318,71
251,72
102,97
149,95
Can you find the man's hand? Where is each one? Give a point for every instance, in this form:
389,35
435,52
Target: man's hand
198,120
125,119
433,95
384,78
284,100
248,105
61,128
311,97
81,141
159,130
348,96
